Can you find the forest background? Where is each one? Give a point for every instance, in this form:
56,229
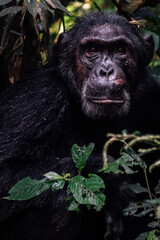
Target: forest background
28,29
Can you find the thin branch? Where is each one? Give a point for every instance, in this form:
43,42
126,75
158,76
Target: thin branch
105,150
154,165
120,10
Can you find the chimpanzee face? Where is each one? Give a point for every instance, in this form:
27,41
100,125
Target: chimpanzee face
103,60
106,69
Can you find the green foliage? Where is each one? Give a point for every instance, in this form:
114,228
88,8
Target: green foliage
131,158
89,190
136,188
152,235
80,155
10,10
134,158
126,161
57,181
3,2
124,164
32,6
81,190
142,236
27,188
141,209
145,208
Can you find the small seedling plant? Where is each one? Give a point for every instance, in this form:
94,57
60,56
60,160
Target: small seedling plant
81,190
89,190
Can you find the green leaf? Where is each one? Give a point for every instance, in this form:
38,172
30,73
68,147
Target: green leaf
44,5
136,133
126,161
153,225
131,209
80,155
74,206
10,10
142,236
58,181
136,188
58,185
31,6
86,191
98,208
27,188
152,236
113,167
52,176
3,2
57,4
94,182
135,159
145,209
140,209
155,201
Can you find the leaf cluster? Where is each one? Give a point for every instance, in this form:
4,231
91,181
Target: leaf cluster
89,190
32,6
129,159
81,190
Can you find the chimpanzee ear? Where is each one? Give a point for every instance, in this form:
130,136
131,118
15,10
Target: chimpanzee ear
62,36
148,39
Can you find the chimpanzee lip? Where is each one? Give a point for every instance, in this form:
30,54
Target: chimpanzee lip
106,100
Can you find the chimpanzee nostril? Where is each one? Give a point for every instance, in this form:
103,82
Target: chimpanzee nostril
103,73
106,73
110,72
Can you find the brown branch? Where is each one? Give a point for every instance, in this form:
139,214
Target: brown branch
120,10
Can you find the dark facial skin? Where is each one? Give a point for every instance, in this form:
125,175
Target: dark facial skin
106,70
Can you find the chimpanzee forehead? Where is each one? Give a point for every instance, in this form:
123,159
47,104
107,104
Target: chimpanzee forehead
107,31
106,34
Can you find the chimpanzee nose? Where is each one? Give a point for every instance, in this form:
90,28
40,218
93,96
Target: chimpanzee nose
106,73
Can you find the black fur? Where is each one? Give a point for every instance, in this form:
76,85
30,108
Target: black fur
42,117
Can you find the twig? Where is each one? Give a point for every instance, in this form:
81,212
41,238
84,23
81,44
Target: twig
156,164
120,10
148,187
147,138
105,150
149,150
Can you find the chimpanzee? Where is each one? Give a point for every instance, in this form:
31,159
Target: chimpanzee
96,82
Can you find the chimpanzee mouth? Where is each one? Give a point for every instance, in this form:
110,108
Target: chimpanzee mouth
106,100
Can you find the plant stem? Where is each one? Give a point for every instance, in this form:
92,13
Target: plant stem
105,151
148,187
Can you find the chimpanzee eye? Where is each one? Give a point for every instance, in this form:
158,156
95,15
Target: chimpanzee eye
92,49
120,50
